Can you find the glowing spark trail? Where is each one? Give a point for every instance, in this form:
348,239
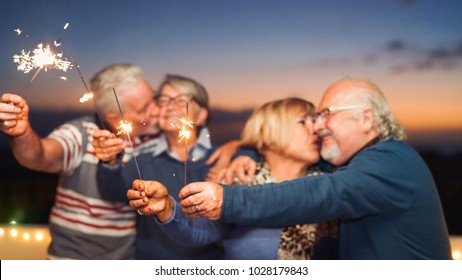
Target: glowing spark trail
18,31
126,127
66,25
86,97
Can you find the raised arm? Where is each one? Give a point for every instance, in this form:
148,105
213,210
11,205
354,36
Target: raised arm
31,151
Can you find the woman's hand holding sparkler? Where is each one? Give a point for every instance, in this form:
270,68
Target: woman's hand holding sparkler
14,114
151,198
107,146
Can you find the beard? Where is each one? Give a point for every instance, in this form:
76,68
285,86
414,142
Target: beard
332,152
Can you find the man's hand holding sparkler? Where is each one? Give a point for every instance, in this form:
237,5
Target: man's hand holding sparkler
107,146
151,198
202,200
14,114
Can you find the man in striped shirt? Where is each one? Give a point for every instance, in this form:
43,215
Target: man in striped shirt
82,224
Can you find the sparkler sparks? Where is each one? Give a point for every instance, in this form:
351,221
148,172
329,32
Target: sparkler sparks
184,132
18,31
124,127
127,128
86,97
42,58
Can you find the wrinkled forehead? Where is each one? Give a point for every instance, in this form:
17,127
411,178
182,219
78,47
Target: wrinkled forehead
341,93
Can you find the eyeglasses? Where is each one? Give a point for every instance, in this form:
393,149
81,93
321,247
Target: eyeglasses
325,113
145,109
180,100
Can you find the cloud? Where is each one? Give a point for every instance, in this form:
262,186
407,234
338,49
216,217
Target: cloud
395,46
405,56
408,3
399,55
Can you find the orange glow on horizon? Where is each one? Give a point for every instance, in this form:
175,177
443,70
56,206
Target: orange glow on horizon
419,102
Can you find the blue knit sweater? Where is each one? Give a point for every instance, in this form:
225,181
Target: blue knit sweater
151,242
385,197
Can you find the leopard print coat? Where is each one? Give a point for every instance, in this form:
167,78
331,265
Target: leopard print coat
297,242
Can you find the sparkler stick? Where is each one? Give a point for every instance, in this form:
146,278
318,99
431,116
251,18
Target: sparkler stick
186,149
88,95
126,127
31,80
80,74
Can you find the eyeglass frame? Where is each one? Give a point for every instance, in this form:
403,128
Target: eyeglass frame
326,112
174,99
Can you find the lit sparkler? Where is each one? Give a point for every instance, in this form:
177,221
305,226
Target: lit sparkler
42,57
184,133
183,130
86,97
126,127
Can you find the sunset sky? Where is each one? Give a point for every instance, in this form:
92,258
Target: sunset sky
247,52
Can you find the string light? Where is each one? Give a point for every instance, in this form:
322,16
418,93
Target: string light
456,255
26,236
39,236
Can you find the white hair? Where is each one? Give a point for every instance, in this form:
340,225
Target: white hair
371,96
115,76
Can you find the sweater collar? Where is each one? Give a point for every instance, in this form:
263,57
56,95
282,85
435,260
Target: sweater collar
197,151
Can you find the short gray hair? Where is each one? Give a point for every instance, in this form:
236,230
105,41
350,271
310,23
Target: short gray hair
116,76
187,86
371,96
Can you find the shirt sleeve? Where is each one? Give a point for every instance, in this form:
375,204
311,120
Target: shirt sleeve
111,182
192,232
377,181
70,138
